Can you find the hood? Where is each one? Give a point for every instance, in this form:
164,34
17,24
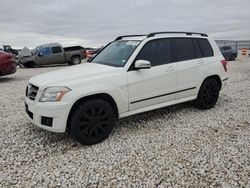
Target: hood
25,52
74,73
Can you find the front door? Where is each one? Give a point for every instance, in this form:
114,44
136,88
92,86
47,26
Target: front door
44,56
156,85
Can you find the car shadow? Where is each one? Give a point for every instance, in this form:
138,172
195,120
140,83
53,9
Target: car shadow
6,79
62,139
154,114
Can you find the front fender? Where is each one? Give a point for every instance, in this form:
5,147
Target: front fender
119,95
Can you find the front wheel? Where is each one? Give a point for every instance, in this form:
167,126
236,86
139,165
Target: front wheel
92,121
208,94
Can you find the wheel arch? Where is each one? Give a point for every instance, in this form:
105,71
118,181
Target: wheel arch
215,77
29,64
103,96
75,55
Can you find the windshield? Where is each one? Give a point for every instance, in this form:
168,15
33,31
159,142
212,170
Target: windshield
117,53
36,50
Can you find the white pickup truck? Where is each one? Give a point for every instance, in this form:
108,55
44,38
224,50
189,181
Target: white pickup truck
132,74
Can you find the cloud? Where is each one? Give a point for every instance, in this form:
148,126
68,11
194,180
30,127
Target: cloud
96,22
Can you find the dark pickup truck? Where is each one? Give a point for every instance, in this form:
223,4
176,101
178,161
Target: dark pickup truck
53,53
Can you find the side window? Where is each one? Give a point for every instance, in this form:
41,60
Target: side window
158,52
205,47
197,49
183,49
46,51
56,50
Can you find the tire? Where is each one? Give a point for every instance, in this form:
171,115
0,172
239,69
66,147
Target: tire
208,94
75,60
233,57
92,121
30,64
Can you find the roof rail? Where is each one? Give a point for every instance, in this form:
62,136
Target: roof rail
120,37
168,32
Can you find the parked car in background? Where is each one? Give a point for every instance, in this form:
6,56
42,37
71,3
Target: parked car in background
131,75
229,53
53,53
93,53
9,49
7,64
88,52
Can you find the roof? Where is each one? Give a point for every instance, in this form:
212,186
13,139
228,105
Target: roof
143,36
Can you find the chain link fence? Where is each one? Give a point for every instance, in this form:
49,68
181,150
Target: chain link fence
236,44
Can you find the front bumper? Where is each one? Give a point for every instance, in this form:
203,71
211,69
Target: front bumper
55,111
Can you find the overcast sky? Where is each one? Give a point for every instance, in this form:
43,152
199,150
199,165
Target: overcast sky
96,22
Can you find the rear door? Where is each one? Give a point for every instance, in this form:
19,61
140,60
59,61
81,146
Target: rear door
192,57
156,85
57,55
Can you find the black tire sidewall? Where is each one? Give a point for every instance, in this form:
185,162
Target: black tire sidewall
77,113
199,101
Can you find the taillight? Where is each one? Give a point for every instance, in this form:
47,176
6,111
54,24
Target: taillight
224,63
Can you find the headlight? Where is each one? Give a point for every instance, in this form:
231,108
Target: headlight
53,94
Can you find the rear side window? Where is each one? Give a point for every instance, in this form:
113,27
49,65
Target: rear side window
158,52
205,47
183,49
56,50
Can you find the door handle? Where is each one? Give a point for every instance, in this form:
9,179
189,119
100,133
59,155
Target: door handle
200,62
169,69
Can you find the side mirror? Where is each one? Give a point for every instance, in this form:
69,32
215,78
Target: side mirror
40,54
142,64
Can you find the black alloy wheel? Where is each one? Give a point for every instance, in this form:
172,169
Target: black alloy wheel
92,121
208,94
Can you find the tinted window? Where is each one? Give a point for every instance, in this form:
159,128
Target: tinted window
158,52
45,51
205,47
197,49
183,49
56,50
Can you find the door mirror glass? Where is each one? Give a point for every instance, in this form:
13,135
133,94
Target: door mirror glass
142,64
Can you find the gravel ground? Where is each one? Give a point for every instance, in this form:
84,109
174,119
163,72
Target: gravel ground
175,146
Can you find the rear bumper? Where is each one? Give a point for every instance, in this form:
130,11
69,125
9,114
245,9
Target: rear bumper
49,116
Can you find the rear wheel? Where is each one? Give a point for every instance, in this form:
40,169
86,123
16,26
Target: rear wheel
75,60
208,94
92,121
233,57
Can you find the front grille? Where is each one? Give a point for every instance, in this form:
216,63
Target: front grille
31,91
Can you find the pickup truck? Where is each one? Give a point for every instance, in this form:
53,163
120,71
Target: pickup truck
53,53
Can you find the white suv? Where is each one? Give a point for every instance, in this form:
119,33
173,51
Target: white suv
132,74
